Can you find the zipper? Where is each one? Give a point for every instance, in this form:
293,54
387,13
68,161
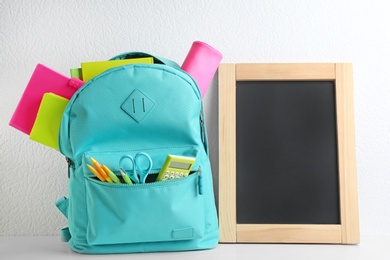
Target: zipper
203,133
201,127
200,181
198,173
70,165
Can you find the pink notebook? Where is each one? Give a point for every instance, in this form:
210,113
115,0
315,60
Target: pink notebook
42,80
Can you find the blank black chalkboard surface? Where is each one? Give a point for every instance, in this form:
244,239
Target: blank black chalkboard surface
287,154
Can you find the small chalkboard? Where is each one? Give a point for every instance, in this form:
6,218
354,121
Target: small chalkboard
287,154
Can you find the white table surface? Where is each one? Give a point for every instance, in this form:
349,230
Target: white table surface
50,247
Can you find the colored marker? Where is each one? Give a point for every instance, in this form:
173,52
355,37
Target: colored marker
98,167
94,171
111,174
125,176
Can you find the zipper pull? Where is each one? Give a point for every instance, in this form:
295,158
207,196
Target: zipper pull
201,121
70,165
200,181
203,131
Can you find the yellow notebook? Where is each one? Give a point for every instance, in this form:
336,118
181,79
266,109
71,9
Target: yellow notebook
92,69
47,123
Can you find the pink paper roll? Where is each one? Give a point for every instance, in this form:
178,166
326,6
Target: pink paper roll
201,63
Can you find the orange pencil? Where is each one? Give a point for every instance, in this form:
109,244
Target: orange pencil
94,171
99,168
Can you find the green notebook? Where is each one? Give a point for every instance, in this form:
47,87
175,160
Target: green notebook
76,73
47,123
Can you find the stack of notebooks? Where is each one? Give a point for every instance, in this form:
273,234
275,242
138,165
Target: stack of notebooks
39,111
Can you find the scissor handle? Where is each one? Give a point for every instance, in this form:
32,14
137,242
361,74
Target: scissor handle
144,172
133,174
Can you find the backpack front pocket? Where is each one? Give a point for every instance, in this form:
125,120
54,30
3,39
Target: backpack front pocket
152,212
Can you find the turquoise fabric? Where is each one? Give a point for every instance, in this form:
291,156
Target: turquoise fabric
164,116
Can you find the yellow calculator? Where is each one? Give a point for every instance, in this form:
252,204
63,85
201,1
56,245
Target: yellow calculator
175,167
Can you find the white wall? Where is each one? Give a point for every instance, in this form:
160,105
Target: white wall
61,34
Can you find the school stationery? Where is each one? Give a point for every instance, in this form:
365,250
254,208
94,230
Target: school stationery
97,174
99,169
138,172
92,69
43,80
110,117
201,63
125,176
76,73
175,167
47,124
111,174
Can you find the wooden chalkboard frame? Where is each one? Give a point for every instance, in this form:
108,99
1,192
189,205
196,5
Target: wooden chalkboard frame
347,232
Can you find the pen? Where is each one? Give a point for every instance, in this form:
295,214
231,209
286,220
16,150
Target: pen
94,171
125,176
111,174
98,167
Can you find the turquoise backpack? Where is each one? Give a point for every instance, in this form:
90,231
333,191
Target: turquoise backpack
151,108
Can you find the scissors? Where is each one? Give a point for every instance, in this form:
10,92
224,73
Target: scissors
138,173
